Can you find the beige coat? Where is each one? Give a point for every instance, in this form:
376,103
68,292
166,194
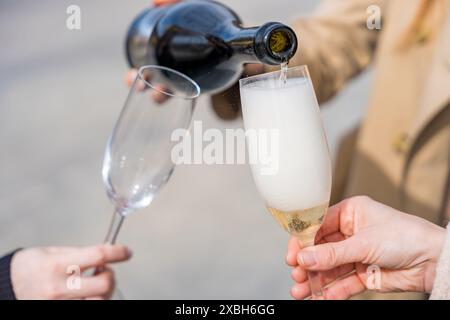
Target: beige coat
402,151
400,155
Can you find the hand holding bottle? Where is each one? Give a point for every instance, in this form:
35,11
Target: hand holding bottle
359,232
251,69
130,76
206,41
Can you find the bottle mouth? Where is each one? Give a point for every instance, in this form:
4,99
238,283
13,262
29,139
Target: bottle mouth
275,43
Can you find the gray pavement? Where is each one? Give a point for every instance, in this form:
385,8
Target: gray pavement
207,234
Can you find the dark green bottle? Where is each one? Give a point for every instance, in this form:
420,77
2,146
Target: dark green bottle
205,40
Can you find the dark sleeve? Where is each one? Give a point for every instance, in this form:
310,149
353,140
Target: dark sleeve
6,290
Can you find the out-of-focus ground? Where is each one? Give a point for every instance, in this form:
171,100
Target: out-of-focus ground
207,234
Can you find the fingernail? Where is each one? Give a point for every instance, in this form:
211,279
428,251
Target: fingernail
129,252
307,258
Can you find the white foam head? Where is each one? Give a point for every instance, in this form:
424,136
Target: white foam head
303,178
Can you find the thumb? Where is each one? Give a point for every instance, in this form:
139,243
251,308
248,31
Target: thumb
333,254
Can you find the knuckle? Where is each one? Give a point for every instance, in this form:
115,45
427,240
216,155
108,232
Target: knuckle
362,199
330,256
100,255
364,254
348,204
353,208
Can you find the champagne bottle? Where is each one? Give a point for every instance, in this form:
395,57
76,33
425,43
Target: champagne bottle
206,41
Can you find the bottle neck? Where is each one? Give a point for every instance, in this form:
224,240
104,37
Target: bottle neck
273,43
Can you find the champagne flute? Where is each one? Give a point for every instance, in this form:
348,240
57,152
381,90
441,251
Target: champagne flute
138,161
297,187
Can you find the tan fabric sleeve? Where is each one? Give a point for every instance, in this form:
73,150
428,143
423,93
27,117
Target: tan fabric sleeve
336,43
441,287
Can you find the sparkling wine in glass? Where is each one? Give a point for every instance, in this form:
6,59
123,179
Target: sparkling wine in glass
297,192
138,161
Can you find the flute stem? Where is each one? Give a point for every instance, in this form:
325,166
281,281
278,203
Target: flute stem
315,283
314,277
113,231
114,227
111,237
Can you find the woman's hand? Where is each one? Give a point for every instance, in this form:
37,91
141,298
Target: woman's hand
401,249
51,273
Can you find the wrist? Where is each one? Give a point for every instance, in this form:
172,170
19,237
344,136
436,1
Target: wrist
436,240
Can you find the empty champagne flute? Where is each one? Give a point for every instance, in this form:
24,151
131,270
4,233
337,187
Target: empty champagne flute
137,162
297,187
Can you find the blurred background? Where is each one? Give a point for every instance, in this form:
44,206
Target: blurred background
207,235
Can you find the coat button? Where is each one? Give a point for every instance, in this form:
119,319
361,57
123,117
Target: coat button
423,35
400,142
